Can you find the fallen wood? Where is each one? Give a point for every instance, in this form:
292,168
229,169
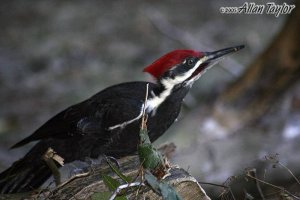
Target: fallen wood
85,185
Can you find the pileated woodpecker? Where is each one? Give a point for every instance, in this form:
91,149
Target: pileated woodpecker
108,123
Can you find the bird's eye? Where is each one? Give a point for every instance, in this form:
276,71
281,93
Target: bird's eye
190,62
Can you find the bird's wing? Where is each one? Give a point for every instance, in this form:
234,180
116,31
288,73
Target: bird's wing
111,108
75,120
88,118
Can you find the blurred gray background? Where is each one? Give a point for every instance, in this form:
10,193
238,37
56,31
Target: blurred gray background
56,53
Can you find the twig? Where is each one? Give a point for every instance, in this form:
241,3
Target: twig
257,184
140,186
143,126
228,189
231,193
121,187
49,157
275,159
144,116
138,174
73,178
274,186
248,195
219,185
213,184
282,165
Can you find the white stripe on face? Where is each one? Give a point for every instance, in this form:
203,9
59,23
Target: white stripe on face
154,102
169,83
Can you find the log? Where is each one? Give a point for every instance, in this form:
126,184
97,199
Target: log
85,185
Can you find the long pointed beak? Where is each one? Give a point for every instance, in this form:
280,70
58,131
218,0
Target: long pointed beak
210,59
216,55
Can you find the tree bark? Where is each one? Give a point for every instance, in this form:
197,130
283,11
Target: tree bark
84,186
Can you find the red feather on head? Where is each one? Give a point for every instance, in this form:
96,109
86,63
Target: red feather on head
161,65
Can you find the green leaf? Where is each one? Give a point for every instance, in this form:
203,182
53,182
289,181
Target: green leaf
111,183
168,192
127,179
101,196
105,196
149,156
121,198
152,181
144,137
164,189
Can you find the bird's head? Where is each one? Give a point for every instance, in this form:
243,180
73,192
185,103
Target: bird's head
185,66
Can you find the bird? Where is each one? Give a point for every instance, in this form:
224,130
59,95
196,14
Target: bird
108,123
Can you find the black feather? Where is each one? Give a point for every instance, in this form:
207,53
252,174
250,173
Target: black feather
83,130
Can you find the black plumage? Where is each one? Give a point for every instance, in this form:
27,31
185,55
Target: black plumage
100,124
82,131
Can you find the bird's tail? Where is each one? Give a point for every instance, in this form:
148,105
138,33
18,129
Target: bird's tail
23,176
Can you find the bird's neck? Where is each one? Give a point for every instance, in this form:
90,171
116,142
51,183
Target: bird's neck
165,91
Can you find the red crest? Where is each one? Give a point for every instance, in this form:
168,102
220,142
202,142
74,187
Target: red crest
158,67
